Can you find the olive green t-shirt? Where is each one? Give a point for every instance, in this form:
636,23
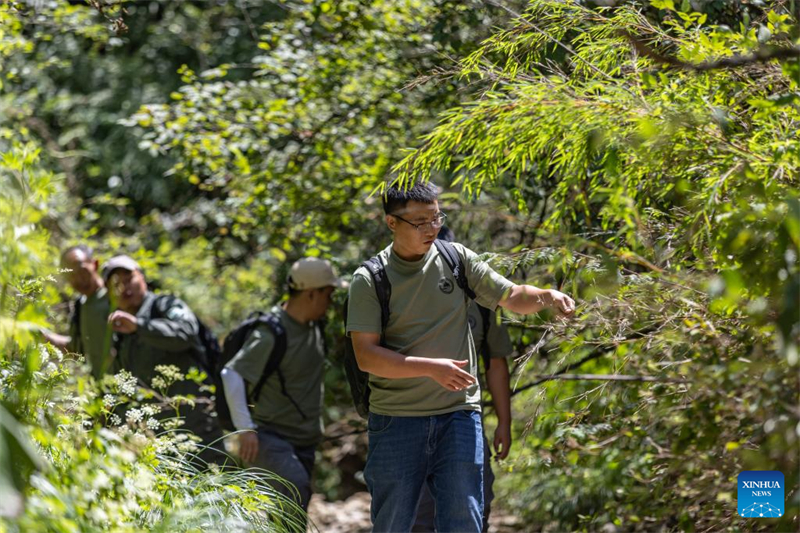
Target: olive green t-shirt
428,318
92,337
302,368
497,340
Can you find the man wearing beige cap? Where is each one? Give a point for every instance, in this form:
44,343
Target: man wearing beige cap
160,329
285,424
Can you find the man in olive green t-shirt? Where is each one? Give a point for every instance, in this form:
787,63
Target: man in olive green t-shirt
494,347
89,333
424,423
286,419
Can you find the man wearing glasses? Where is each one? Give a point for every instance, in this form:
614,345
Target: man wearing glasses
424,422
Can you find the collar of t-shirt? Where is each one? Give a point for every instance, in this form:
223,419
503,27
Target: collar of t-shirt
96,295
409,267
288,320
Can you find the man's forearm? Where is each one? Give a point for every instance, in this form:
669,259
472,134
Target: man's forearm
498,383
527,299
387,363
56,339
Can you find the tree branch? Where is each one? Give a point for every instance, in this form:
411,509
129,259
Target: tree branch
761,55
609,377
599,352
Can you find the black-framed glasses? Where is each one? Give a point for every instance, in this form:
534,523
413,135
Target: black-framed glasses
436,223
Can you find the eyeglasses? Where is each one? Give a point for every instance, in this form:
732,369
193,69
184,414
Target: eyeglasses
436,223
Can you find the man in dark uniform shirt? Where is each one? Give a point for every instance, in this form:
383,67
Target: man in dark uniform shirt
152,330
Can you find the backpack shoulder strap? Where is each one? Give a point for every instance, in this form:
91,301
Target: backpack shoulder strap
486,316
76,311
383,288
456,265
75,324
165,300
278,349
274,361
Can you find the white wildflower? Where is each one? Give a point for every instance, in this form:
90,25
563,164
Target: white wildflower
126,383
171,372
151,410
134,415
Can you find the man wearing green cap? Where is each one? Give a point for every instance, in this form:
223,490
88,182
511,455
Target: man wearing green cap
285,420
152,330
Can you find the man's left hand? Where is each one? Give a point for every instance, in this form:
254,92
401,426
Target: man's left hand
123,322
502,441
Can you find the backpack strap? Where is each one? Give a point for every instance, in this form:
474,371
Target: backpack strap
75,325
383,289
205,340
453,260
486,316
274,361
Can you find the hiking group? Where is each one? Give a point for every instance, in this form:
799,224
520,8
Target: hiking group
419,314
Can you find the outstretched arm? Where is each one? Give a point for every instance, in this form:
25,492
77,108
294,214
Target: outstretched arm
59,341
527,299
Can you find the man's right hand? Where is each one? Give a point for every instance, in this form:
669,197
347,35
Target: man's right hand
248,446
448,374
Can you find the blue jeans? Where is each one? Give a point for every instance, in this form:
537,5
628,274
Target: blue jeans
426,512
444,452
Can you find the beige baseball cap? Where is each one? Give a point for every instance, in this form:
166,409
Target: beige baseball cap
314,273
119,261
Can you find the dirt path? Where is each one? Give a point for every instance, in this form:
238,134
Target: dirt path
352,516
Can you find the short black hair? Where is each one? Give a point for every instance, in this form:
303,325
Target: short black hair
397,196
88,252
292,292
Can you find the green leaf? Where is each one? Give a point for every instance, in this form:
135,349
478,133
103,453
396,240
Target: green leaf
663,4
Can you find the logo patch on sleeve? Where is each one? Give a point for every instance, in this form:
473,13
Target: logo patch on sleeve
178,313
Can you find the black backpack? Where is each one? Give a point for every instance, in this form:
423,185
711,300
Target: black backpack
235,341
208,356
486,316
75,324
358,379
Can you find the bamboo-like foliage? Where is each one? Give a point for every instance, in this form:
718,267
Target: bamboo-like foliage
667,147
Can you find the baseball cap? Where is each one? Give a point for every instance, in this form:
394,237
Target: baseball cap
314,273
119,261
